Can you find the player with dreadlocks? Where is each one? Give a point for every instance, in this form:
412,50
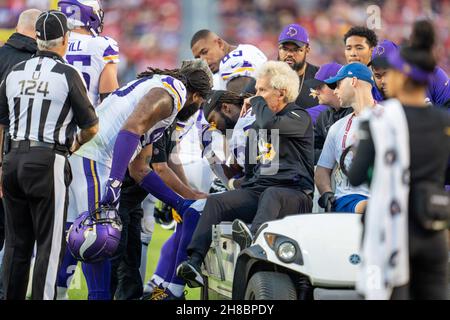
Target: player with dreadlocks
131,119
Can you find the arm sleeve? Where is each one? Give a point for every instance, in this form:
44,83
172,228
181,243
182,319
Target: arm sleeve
82,107
364,158
4,108
293,123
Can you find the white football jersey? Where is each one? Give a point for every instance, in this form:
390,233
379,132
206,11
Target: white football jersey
241,62
90,54
209,141
117,107
238,140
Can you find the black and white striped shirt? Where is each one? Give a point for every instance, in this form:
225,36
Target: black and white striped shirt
45,99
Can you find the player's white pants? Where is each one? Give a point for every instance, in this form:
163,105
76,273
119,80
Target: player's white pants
88,184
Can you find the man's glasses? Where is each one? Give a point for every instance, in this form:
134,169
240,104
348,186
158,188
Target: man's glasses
292,49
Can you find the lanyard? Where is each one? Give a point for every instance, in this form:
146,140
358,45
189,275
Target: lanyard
347,129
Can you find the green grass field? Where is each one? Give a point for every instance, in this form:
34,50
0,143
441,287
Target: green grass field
78,289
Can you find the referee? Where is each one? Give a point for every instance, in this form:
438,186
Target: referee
43,100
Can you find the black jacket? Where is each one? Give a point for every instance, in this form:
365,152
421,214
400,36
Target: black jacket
304,99
288,163
18,48
325,120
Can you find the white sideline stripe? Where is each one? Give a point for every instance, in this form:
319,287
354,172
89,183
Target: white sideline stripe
58,222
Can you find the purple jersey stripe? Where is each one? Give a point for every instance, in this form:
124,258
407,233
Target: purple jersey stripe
170,81
110,52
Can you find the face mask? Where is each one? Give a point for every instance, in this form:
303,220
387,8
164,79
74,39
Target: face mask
187,111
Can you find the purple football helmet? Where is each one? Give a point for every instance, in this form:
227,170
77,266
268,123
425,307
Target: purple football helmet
83,13
95,236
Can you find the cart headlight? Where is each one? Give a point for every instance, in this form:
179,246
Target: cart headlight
286,251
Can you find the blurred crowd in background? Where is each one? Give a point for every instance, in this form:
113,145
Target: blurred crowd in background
148,31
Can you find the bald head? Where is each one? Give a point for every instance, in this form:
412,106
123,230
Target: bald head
27,22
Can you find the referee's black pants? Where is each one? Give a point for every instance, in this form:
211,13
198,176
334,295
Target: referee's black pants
252,205
35,187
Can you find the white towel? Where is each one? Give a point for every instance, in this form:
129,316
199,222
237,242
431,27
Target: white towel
385,253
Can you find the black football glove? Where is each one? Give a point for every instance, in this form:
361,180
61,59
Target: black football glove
327,199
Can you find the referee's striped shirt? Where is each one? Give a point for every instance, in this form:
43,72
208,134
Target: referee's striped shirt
45,99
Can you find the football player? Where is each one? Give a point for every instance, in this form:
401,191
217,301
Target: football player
231,65
143,108
222,110
96,57
234,68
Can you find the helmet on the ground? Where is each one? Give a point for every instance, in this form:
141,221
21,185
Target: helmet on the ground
83,13
95,236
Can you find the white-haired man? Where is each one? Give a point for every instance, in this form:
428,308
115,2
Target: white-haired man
283,136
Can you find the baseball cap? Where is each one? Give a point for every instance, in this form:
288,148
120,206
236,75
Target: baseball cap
381,51
294,33
210,104
394,60
355,69
325,72
51,25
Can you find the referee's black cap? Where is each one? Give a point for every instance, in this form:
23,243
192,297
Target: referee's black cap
51,25
211,102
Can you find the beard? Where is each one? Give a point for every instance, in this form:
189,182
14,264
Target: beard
229,123
296,66
187,111
383,92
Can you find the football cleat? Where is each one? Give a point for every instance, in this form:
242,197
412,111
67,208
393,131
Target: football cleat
167,295
191,274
